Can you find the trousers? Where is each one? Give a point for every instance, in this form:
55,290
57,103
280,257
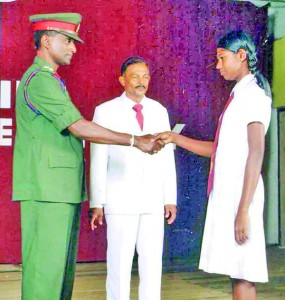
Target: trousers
125,233
49,249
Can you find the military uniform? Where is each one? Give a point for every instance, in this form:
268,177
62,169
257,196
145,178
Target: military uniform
48,173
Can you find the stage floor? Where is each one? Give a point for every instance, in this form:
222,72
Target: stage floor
90,282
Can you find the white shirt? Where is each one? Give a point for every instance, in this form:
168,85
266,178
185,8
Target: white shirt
124,179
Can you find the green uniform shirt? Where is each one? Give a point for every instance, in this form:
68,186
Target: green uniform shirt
48,159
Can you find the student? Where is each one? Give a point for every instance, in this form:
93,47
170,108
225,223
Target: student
233,241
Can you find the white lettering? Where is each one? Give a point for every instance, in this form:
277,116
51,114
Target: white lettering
5,95
5,134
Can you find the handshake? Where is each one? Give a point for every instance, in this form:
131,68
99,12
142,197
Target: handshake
153,143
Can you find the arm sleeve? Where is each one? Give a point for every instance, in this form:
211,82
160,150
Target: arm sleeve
46,95
98,167
258,109
168,163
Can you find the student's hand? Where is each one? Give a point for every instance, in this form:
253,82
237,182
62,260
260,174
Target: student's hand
167,136
241,227
170,213
148,143
96,217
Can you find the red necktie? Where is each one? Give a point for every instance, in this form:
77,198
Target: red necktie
215,145
138,108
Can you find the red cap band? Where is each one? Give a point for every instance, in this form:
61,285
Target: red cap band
54,25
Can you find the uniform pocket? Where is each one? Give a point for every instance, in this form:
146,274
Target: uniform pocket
62,162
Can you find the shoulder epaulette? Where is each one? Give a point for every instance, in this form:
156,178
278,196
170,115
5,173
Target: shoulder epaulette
47,69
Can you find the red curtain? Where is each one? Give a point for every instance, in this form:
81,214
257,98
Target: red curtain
178,38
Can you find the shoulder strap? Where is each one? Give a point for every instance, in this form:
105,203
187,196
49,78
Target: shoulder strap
31,106
26,93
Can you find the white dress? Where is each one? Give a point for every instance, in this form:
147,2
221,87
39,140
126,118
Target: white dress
220,252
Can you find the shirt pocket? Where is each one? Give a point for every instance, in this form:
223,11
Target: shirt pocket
62,162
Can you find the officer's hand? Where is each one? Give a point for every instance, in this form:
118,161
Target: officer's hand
96,217
158,145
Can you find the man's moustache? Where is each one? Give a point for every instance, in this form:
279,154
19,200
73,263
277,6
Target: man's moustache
140,86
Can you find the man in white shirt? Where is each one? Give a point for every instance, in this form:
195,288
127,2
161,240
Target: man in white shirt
135,189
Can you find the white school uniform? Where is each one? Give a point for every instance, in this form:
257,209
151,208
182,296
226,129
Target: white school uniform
220,252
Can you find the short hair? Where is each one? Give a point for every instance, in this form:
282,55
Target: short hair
38,35
239,39
132,61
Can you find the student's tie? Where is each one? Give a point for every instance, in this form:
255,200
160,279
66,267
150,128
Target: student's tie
138,109
215,145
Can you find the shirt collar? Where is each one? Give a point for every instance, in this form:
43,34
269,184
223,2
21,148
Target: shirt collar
130,102
43,64
243,82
